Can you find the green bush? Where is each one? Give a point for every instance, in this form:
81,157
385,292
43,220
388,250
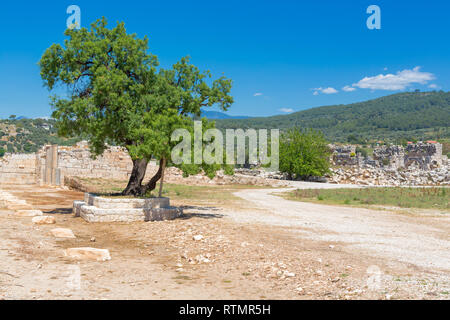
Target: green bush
304,153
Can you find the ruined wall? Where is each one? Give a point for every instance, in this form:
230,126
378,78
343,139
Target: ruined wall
424,155
18,169
390,156
76,161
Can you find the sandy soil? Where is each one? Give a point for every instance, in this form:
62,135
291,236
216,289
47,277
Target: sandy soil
261,247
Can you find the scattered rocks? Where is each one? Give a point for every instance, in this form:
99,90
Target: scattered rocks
374,176
44,220
88,254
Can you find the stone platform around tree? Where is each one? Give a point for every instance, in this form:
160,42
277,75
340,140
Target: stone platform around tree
102,209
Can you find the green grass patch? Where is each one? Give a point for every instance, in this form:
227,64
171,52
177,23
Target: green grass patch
423,198
212,193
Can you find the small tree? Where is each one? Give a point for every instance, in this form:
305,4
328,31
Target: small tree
304,153
118,95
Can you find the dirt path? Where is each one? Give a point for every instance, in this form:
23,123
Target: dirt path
422,241
261,247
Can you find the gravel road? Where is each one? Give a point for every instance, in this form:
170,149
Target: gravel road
422,240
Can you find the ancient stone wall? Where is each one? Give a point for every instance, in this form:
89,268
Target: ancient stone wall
424,155
390,156
56,162
18,169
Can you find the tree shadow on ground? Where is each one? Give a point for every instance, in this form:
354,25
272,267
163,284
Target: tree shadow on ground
59,211
205,215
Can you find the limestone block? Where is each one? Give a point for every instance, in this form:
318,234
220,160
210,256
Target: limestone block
162,214
77,207
28,213
44,220
62,233
88,254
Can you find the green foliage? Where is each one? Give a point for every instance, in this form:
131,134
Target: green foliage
32,134
421,115
119,95
304,153
2,152
362,151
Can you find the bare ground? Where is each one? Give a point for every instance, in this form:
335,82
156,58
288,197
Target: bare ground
260,247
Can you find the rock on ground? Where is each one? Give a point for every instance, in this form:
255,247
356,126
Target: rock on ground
88,254
28,213
44,220
62,233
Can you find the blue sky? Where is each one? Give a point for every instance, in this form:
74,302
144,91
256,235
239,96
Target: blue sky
282,55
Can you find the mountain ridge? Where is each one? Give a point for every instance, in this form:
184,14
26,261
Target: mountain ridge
401,115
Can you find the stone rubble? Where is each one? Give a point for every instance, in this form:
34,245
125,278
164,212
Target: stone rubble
420,164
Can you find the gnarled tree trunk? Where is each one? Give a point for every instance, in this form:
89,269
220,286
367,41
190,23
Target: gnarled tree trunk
161,184
134,187
151,185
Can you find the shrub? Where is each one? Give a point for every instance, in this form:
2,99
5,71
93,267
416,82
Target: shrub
304,153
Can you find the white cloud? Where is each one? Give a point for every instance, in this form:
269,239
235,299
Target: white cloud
434,86
399,81
257,94
328,90
348,89
286,110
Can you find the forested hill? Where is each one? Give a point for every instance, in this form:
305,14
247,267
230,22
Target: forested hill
19,134
412,115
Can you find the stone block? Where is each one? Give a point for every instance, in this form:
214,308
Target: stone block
88,254
44,220
28,213
62,233
101,209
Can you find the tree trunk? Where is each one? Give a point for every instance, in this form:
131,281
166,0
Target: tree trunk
161,184
134,187
151,185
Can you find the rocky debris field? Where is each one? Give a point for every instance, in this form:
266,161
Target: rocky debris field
391,177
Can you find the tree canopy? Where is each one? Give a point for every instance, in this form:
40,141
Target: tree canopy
117,94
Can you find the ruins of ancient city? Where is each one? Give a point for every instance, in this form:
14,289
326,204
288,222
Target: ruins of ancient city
417,164
226,160
50,189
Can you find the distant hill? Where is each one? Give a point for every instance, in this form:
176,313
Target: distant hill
214,115
28,135
394,118
411,115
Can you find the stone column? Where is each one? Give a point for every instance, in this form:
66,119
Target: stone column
48,165
55,173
